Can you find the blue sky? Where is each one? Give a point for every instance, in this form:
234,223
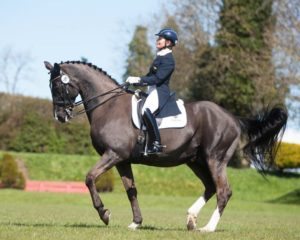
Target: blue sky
62,30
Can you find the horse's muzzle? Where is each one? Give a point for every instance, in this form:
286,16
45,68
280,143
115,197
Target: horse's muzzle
63,114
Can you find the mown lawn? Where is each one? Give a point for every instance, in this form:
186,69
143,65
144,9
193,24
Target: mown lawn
25,215
259,208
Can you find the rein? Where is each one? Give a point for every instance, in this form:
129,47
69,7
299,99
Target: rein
123,86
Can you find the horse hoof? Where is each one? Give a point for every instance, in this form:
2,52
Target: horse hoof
105,216
134,226
191,222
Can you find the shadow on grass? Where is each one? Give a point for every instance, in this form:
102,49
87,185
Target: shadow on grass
89,226
292,197
281,174
155,228
80,225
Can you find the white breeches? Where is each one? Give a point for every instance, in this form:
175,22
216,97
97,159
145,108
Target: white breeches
152,99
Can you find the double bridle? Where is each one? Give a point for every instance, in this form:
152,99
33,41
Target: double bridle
68,104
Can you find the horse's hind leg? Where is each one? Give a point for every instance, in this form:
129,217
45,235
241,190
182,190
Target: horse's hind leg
223,195
217,167
202,172
109,159
125,172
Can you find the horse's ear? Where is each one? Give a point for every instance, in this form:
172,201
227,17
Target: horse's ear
48,65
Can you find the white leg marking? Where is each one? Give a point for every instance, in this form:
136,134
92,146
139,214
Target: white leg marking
193,212
134,226
197,206
213,222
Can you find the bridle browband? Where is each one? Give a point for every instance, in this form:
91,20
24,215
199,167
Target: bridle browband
68,104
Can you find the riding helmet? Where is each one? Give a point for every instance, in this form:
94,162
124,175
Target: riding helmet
169,34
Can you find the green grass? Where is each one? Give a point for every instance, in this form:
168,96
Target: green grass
56,166
247,184
25,215
258,209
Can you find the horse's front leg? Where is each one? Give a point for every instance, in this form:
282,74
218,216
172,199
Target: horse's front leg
125,172
108,160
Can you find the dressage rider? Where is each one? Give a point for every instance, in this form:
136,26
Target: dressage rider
160,102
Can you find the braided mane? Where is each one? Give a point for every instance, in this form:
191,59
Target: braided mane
92,66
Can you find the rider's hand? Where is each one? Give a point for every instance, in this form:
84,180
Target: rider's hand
133,80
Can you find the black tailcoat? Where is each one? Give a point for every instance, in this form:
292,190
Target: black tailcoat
160,74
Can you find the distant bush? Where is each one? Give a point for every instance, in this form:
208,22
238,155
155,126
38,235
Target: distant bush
36,135
62,167
11,177
105,183
27,125
288,156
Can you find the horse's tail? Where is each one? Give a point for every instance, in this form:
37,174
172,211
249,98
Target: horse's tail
264,134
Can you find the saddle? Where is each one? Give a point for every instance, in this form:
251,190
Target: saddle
138,100
177,121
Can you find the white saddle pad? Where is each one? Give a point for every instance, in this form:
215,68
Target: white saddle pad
178,121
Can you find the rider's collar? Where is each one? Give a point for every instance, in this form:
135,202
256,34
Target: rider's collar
163,52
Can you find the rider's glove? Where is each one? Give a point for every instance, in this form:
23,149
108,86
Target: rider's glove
133,80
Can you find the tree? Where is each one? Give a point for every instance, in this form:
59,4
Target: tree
286,39
238,69
13,67
140,56
181,77
286,50
196,20
187,18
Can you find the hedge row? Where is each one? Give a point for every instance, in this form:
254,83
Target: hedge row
27,125
11,177
288,156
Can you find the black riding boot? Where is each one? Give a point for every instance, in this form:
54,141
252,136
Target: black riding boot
154,145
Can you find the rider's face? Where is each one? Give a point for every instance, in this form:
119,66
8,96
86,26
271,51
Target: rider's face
161,43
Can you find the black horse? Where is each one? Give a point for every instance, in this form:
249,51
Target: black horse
205,144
